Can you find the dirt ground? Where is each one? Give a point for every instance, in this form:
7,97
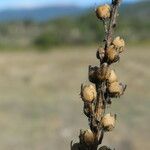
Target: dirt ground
40,107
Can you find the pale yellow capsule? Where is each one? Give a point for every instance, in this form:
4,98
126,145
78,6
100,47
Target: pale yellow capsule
112,53
108,122
88,93
115,88
112,77
103,11
119,43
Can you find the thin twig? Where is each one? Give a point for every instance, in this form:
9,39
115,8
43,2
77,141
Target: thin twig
112,22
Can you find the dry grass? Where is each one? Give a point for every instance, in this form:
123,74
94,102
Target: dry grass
40,108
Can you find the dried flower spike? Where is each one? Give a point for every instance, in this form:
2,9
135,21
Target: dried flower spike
103,12
108,122
88,93
97,98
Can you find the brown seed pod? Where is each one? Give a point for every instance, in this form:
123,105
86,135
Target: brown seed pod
103,12
93,74
112,54
89,137
108,122
119,43
116,89
100,53
88,93
112,77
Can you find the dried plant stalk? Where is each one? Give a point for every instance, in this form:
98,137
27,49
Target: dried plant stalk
106,84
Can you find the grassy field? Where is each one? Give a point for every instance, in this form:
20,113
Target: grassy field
40,108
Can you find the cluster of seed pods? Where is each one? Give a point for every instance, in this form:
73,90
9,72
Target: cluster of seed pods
104,84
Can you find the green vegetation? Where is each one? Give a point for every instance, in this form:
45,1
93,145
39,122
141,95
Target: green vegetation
82,30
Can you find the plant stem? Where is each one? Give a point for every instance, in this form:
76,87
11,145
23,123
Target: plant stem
95,111
112,23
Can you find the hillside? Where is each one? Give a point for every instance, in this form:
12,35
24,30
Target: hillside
77,29
45,13
140,10
40,14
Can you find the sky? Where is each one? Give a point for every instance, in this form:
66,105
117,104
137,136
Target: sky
6,4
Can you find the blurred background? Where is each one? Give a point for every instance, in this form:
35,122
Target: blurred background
45,49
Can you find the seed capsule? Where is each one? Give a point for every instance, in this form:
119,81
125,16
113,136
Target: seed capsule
116,89
108,122
89,137
100,53
112,54
119,43
88,93
112,77
103,12
93,74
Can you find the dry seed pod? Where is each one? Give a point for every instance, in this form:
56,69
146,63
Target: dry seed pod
100,53
93,74
108,122
116,89
88,93
89,137
112,77
112,54
119,43
103,12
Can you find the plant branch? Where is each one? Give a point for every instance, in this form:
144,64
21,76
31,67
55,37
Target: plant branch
97,97
112,22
